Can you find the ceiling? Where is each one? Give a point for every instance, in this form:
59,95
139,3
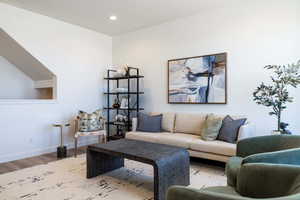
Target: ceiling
132,14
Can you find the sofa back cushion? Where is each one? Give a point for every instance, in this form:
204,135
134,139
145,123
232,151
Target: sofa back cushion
168,121
189,123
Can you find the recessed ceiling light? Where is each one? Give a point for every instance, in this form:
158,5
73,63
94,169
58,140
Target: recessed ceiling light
113,17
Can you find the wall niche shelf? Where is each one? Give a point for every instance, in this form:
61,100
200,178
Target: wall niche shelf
23,77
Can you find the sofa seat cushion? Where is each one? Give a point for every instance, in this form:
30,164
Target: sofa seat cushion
174,139
216,147
177,139
144,136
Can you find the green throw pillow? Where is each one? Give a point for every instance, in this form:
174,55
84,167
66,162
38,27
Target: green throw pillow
211,127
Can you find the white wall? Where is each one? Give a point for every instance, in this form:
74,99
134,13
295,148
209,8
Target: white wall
22,59
254,33
77,57
14,84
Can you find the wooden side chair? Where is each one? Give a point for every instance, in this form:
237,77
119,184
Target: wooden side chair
101,134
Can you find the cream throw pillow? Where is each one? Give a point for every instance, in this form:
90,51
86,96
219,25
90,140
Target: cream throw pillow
211,127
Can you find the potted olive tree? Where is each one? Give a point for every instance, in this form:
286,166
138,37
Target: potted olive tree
276,94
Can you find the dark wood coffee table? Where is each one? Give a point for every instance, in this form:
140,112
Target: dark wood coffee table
171,164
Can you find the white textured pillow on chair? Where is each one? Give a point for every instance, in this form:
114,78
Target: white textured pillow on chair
90,122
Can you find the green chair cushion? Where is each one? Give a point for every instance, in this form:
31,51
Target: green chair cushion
264,180
232,169
215,193
212,193
290,156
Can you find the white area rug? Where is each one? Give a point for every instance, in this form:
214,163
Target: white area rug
66,180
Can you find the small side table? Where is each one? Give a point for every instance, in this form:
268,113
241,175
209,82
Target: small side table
61,150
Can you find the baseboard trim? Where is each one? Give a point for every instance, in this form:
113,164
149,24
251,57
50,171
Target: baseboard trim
37,152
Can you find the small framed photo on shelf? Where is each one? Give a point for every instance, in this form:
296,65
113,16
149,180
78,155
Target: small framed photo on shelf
124,102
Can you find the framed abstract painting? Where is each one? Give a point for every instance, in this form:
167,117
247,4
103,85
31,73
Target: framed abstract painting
198,80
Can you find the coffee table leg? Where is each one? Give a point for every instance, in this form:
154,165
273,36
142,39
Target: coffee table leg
100,163
174,170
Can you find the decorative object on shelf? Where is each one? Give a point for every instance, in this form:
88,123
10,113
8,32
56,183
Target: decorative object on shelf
120,71
121,122
124,102
61,150
198,80
123,96
121,118
120,90
116,103
276,94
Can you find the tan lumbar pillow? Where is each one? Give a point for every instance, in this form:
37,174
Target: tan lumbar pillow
211,127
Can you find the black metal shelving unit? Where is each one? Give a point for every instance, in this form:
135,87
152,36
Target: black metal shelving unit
117,95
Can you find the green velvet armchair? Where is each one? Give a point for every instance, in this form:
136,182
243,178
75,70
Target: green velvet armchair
257,145
270,170
256,181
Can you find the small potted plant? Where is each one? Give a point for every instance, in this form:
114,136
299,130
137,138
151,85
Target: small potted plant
276,95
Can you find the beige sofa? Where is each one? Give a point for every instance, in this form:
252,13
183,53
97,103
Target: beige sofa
184,130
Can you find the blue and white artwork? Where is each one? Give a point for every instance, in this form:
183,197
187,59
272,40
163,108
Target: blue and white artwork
198,80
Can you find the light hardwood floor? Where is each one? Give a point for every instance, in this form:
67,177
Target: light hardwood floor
33,161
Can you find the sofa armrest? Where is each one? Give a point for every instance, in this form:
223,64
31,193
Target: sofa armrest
134,124
247,131
268,143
